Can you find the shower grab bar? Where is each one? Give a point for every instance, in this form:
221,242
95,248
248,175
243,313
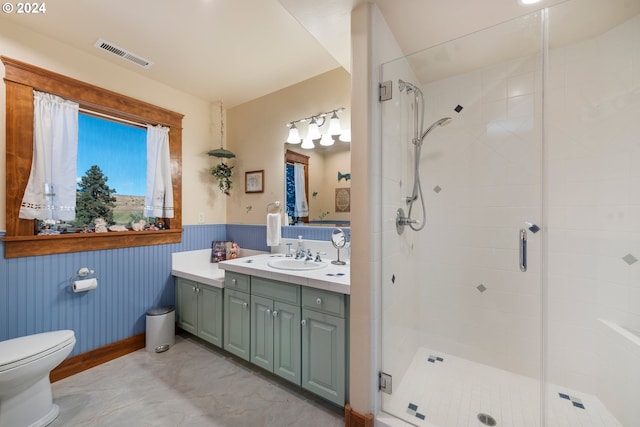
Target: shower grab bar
523,250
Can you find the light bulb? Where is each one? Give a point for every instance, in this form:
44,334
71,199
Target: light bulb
326,140
294,135
313,132
307,144
334,125
345,136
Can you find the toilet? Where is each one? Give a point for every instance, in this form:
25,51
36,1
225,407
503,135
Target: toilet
25,363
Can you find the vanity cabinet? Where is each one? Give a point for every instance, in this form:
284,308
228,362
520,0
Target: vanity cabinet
299,333
324,343
275,327
237,314
199,310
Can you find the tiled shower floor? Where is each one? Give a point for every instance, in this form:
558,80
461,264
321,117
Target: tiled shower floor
441,390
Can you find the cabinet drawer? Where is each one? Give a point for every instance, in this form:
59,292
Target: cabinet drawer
237,281
323,301
277,291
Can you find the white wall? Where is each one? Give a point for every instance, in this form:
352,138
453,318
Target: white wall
198,195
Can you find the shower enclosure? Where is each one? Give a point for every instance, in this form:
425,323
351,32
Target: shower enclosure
518,303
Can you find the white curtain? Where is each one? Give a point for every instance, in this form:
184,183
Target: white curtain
158,200
301,207
51,189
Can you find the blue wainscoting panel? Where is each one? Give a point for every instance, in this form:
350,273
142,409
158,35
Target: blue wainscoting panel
311,233
255,236
249,236
36,294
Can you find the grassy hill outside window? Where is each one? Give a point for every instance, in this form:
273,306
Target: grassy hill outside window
21,80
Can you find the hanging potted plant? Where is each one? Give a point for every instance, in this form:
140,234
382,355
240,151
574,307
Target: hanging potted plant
222,171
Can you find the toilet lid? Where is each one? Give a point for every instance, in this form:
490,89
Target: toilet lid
17,351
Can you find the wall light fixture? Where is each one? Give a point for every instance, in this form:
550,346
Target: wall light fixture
313,131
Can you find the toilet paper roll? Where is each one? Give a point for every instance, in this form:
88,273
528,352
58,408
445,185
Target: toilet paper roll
85,285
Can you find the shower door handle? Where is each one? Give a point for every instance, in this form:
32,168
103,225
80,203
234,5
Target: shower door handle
523,249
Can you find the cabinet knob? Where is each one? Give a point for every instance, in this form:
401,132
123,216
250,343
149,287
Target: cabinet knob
303,322
244,304
319,301
275,313
268,312
234,281
193,288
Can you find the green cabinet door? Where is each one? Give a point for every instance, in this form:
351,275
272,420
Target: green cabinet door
262,332
286,342
323,355
210,314
237,316
186,305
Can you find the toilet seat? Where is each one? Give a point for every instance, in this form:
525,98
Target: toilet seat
22,350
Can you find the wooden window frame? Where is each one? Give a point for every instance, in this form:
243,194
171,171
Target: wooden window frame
20,81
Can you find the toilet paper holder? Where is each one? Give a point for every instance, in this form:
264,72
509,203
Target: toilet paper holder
84,271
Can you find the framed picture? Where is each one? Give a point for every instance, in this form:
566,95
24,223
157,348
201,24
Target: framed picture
343,199
253,181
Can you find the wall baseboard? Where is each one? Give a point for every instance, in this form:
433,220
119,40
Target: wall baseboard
82,362
354,419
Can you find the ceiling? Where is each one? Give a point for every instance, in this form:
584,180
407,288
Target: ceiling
239,50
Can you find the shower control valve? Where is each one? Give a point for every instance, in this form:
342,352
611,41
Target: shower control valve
402,221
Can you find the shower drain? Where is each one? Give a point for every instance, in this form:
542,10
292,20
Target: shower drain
487,420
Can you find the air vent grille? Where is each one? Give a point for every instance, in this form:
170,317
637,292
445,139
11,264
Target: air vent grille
122,53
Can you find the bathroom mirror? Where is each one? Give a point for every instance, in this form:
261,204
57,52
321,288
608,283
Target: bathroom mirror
339,241
328,170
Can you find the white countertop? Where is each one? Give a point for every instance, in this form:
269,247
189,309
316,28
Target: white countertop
196,266
333,278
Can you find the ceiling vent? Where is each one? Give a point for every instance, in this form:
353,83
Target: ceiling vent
122,53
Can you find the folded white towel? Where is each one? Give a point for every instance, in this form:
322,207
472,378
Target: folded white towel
273,229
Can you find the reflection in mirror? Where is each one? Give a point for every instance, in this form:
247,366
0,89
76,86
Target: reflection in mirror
339,241
327,184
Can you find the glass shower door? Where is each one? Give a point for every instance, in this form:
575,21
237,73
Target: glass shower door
461,299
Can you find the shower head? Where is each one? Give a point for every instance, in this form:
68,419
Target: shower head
442,122
408,87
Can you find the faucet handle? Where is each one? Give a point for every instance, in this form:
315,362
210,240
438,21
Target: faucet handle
318,259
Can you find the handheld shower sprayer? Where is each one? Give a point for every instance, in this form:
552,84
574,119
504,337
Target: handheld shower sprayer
417,140
442,122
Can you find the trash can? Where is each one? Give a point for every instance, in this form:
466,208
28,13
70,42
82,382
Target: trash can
161,328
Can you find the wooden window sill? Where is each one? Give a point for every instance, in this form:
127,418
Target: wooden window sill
21,246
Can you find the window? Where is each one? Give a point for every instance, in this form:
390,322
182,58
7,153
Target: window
20,80
290,158
119,151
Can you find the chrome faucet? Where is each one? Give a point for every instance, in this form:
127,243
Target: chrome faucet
308,256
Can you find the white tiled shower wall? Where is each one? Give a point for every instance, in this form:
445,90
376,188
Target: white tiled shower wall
487,165
593,169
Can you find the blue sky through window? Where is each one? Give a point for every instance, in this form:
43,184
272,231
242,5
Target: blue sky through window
119,150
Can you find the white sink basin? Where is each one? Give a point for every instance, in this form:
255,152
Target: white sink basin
295,264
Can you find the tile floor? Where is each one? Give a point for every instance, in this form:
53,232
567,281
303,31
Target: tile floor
447,391
192,384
